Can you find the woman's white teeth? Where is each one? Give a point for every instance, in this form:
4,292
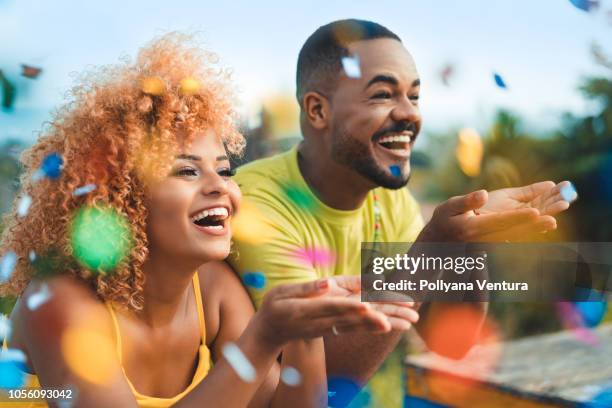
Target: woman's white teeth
220,213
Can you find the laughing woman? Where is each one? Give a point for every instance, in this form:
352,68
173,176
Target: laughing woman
150,324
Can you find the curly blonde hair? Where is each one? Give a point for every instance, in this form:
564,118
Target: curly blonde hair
121,128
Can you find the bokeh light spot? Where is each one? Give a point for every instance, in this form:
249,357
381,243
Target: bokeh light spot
100,238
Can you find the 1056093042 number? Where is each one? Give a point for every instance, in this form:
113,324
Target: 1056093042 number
36,394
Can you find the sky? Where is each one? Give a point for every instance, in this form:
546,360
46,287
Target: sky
540,48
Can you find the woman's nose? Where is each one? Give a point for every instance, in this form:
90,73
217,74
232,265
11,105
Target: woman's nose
214,184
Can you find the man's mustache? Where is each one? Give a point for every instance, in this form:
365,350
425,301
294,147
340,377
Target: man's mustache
397,127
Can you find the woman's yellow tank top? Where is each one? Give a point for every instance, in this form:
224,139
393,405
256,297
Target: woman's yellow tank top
144,401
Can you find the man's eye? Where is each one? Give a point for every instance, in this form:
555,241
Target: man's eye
227,172
414,98
186,171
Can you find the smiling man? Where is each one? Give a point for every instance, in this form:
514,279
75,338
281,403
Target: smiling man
342,185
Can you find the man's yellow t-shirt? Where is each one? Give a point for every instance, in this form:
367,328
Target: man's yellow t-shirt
297,238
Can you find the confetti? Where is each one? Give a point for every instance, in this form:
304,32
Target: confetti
255,280
249,225
189,86
12,368
32,255
239,362
351,66
341,391
24,205
585,5
593,309
300,197
89,354
291,376
569,193
153,86
5,327
51,167
572,320
36,299
602,400
499,81
469,152
100,238
315,256
396,171
29,71
7,264
446,73
86,189
8,92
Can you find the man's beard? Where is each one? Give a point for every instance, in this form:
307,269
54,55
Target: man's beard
348,151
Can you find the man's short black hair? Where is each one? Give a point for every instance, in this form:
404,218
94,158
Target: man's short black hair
319,61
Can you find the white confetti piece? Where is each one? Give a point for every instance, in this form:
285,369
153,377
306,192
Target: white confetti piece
351,66
569,193
32,255
14,355
239,362
24,205
38,298
38,175
86,189
5,327
7,264
291,376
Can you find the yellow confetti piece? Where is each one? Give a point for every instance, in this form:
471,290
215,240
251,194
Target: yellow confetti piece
153,86
469,152
89,354
250,226
189,86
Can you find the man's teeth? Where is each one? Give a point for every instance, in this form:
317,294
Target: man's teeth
390,139
221,213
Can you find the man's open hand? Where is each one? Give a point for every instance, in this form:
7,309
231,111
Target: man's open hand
544,196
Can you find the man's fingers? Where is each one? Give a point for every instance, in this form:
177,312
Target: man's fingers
521,232
532,191
487,223
462,204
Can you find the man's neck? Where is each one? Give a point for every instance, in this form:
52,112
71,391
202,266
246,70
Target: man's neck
337,186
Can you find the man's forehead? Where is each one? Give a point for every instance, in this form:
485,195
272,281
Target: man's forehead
384,54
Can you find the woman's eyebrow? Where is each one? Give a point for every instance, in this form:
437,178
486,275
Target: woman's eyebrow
193,157
189,157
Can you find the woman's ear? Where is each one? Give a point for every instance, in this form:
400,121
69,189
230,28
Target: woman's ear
316,110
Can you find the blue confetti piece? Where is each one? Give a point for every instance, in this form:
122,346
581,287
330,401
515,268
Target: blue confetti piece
52,165
592,307
12,368
351,66
255,280
291,376
36,299
602,400
585,5
239,362
24,205
569,193
7,264
86,189
395,171
344,391
499,81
